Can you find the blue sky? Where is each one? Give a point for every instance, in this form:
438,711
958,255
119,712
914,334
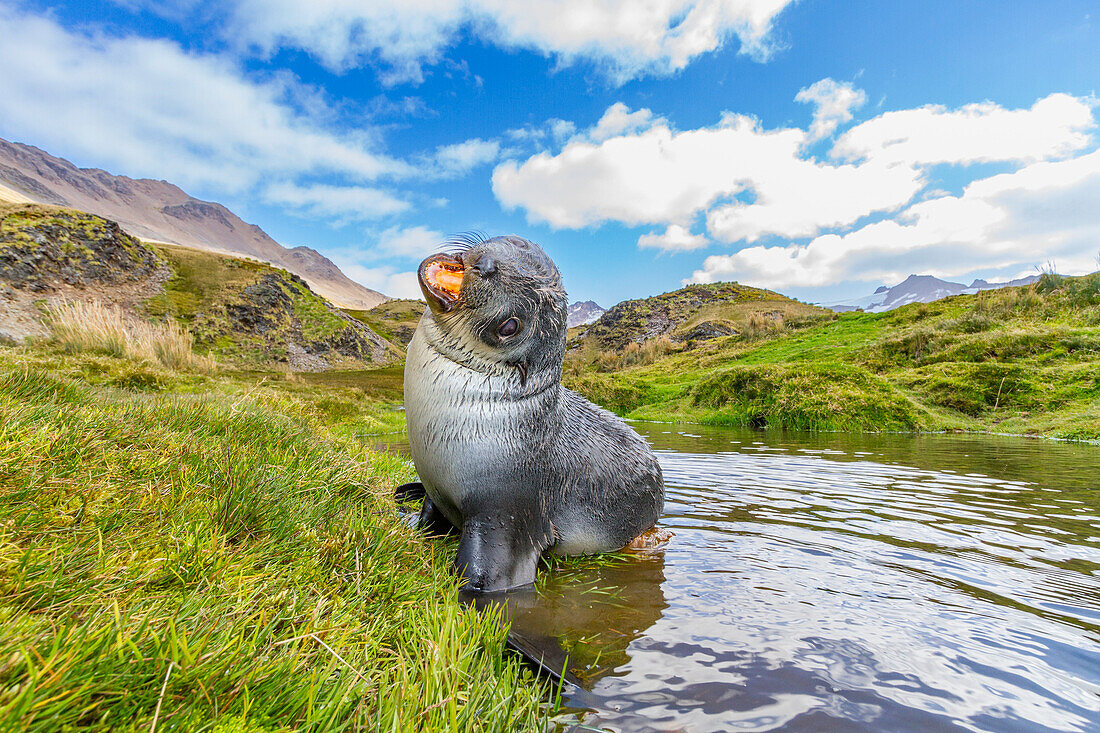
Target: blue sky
819,149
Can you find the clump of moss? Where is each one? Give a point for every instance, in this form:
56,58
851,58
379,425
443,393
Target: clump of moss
809,397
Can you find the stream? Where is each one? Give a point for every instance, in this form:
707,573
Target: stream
837,582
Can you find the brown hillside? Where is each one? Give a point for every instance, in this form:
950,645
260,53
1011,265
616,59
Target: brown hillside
161,211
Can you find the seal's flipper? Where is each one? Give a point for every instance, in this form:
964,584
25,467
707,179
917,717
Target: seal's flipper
497,555
542,652
432,520
409,492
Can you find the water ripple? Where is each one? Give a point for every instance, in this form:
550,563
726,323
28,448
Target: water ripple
848,583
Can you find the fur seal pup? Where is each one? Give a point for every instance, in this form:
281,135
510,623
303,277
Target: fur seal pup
513,460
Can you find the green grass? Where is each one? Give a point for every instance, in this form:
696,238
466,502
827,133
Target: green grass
394,320
224,549
1018,360
199,280
246,312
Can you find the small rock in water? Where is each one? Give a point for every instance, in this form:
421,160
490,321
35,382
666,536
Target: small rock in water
654,538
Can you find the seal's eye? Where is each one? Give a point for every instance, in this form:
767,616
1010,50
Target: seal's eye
509,328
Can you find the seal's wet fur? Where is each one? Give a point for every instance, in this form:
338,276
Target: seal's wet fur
513,460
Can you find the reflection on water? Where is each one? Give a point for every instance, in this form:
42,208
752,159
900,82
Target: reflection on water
840,582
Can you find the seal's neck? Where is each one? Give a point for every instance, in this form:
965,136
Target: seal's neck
463,349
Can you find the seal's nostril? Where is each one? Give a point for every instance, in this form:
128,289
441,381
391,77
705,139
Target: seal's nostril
485,265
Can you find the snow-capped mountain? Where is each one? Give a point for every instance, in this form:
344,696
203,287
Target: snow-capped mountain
918,289
583,313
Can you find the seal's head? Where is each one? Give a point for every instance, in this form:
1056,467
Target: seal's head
497,302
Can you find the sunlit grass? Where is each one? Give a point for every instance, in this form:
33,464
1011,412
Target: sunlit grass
1012,360
226,551
92,326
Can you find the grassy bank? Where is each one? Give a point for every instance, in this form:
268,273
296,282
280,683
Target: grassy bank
220,552
1018,360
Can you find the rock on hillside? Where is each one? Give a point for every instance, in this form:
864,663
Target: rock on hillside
693,313
254,314
242,311
160,211
41,247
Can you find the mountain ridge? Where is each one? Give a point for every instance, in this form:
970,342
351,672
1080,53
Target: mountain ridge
918,289
160,211
583,312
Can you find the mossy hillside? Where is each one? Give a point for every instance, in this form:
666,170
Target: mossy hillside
41,246
1021,360
721,308
254,314
395,320
226,550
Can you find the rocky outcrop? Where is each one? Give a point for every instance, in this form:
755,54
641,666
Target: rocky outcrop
241,311
284,315
42,247
640,320
706,331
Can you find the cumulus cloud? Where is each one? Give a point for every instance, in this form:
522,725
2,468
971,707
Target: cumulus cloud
753,181
1054,126
1014,221
833,104
626,37
149,108
619,120
451,161
675,239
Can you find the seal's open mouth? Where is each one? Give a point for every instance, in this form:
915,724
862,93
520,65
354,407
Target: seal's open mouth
441,280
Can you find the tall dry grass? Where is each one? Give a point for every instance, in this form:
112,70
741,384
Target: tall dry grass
763,324
91,326
633,354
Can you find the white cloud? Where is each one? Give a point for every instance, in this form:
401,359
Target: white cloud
539,137
1011,221
384,279
412,242
751,182
659,176
460,158
561,129
149,108
675,239
626,37
619,120
1054,126
342,204
833,104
